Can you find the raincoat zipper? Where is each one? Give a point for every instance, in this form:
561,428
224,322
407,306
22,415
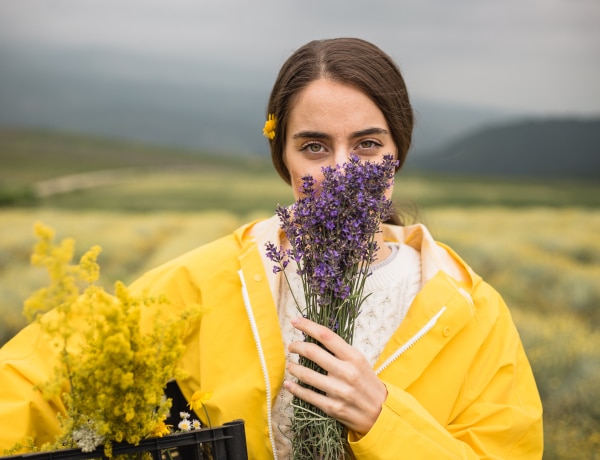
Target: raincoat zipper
261,357
414,339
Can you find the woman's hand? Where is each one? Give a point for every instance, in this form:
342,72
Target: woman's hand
353,393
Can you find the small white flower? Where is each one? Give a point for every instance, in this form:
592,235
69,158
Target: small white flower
196,424
185,425
86,437
184,415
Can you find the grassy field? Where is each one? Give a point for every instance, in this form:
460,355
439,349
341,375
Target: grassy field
149,179
544,262
535,241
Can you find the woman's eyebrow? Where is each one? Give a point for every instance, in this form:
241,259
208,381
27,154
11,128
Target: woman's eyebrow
369,132
310,134
321,135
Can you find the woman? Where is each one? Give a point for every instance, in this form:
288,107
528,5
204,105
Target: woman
437,369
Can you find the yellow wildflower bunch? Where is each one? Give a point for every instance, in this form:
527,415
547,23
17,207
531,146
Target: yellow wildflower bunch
111,372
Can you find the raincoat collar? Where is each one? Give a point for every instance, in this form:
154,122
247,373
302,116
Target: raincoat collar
435,257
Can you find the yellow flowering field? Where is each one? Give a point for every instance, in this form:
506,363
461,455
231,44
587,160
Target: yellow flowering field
545,262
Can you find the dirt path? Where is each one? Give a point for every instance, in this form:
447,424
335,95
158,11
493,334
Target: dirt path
81,181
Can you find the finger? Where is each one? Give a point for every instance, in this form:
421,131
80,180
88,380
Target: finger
308,395
357,417
330,340
310,377
315,353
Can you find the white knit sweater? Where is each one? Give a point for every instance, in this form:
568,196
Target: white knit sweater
393,285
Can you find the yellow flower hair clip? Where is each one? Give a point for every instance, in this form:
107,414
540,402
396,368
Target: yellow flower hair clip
270,125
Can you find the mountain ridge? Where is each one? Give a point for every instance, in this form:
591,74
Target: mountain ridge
533,147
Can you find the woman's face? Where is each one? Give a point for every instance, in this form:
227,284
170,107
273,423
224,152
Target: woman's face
327,123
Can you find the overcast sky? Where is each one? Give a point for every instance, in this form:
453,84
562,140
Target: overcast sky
536,56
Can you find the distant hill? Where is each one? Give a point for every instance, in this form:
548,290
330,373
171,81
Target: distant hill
61,170
28,156
528,148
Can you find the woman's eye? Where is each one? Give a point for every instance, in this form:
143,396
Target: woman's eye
313,147
368,144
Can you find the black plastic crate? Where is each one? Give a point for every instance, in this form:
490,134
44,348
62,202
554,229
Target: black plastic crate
226,442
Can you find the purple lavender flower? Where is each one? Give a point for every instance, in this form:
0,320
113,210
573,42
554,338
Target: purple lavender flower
331,229
279,256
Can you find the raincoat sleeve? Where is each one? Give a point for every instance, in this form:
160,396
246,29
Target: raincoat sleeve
26,360
496,415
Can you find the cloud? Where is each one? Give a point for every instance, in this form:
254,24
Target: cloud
532,55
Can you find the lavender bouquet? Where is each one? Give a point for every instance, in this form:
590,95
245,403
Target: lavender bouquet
331,229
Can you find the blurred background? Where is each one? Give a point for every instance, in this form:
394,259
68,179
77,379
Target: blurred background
136,125
197,74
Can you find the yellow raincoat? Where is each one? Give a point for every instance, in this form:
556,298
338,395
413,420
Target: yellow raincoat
459,383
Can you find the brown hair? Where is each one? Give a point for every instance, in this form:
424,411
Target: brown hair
350,61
